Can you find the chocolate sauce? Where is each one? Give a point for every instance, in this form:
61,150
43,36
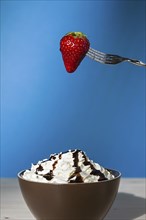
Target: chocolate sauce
75,157
87,162
49,175
54,164
39,168
52,157
60,156
98,173
94,171
78,178
64,152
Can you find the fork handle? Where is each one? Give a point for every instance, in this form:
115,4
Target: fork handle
135,62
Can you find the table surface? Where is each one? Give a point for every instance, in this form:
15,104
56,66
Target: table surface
130,203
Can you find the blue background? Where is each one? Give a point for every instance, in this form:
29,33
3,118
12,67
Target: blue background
99,108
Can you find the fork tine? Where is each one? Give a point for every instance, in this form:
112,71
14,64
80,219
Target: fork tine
95,57
97,52
106,56
103,58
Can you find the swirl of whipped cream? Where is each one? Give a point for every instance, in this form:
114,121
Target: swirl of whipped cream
72,166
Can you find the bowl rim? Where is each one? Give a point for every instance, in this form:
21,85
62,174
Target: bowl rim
19,175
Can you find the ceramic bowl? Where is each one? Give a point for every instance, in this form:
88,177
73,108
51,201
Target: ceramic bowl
73,201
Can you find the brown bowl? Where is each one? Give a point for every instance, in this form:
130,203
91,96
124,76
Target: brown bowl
73,201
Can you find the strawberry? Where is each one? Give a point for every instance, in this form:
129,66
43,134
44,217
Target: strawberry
73,46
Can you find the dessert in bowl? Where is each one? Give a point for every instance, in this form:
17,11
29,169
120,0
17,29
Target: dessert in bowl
69,186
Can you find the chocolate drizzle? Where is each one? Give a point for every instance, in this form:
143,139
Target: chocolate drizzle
76,174
98,173
54,164
75,157
49,175
52,157
94,170
39,168
60,156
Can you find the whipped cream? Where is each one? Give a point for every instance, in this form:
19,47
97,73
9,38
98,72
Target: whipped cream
72,166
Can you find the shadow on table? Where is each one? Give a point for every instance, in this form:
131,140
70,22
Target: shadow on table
127,207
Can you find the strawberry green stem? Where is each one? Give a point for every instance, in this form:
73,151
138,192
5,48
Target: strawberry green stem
76,34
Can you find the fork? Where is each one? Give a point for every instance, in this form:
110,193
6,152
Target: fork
110,58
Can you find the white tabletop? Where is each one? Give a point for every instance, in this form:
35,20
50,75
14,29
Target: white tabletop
130,203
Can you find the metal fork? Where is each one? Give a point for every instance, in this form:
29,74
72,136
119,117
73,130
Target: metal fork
110,58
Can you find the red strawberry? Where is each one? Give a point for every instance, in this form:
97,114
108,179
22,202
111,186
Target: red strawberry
73,47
